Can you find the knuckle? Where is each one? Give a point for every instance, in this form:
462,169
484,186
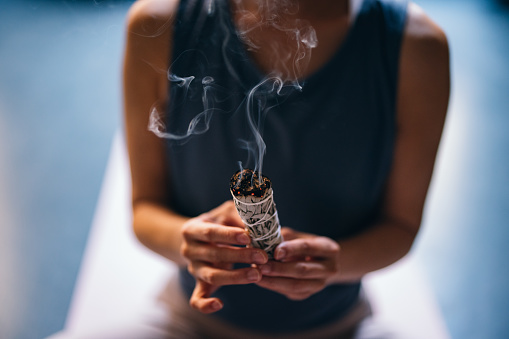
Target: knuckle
209,277
305,245
302,270
230,206
194,303
331,246
184,250
285,231
334,248
186,232
207,233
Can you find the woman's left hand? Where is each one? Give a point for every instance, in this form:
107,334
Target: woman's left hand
305,265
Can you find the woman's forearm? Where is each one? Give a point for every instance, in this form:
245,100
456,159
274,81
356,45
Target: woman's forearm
159,229
378,247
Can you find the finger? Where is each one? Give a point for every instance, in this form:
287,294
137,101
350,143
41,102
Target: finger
223,254
220,277
290,234
200,230
201,301
318,247
231,220
225,214
298,269
295,289
231,216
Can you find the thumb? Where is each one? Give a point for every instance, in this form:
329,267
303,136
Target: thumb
201,300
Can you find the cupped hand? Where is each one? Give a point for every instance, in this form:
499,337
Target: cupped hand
212,243
305,264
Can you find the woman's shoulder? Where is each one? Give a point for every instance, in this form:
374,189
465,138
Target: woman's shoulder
424,52
421,30
149,29
151,17
424,81
149,34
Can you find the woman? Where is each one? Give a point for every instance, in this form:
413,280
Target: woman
352,97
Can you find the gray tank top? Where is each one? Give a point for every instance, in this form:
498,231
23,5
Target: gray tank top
329,147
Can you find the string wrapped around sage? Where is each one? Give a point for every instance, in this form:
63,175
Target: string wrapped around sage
254,200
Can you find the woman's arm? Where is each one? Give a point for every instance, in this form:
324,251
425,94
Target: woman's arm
423,97
208,244
310,262
147,51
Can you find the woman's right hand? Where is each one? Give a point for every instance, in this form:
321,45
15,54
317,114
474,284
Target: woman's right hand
211,246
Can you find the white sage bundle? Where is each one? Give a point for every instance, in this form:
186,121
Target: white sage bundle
254,200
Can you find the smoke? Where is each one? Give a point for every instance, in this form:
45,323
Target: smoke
198,125
287,53
256,116
283,59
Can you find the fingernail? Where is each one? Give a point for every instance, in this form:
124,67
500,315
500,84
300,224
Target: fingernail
265,269
243,238
253,275
258,258
280,254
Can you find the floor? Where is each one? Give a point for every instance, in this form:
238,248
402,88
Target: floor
60,107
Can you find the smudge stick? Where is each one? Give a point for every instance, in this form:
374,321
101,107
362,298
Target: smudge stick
254,200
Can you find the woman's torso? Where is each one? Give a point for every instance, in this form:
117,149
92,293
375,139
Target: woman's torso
328,146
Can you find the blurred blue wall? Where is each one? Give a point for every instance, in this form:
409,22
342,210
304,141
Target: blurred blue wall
60,105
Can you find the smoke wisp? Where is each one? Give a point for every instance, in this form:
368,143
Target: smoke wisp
279,44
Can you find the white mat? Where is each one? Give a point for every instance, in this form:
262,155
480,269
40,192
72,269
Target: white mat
119,276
